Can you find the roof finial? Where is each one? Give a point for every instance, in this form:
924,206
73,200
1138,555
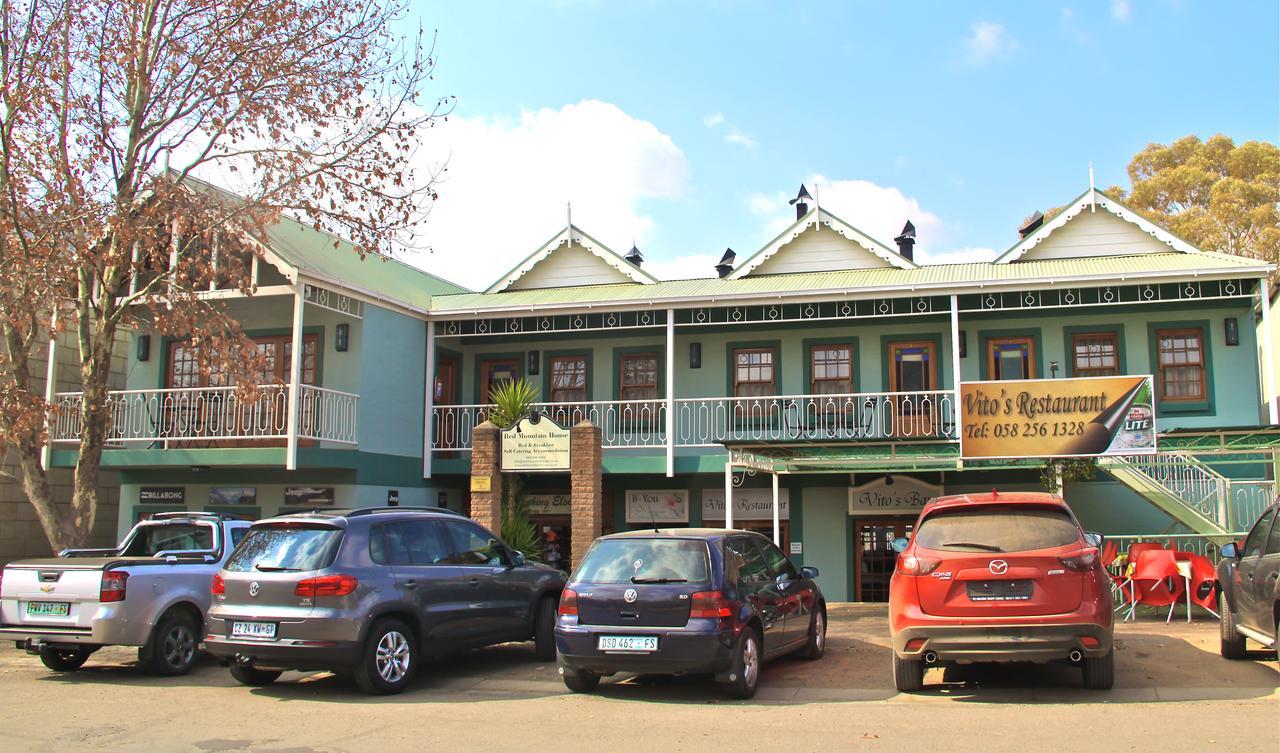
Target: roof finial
1093,197
568,223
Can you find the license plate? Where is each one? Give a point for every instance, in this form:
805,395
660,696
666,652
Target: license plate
999,590
48,608
639,644
253,630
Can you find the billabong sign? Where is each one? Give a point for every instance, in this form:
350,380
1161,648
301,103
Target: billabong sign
162,495
905,496
541,445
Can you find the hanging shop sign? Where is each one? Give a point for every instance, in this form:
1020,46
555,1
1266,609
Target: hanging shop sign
162,495
548,504
308,496
904,496
748,504
1045,418
233,495
658,506
535,444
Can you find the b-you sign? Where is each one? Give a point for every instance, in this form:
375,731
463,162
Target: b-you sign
905,496
1044,418
748,504
541,445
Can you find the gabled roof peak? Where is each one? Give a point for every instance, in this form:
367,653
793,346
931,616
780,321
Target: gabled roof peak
820,219
569,237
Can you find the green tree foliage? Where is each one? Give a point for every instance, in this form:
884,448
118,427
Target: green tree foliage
515,528
510,401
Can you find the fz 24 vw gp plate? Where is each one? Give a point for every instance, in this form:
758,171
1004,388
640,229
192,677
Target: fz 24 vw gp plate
48,608
640,644
253,630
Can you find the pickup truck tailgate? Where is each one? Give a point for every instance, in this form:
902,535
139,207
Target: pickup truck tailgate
50,593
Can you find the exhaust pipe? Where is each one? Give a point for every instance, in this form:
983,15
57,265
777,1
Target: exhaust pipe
930,657
243,659
1075,656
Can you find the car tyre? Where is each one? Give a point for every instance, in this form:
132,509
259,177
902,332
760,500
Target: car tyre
171,649
64,659
579,681
388,659
1100,673
817,645
544,630
748,655
908,674
247,674
1231,643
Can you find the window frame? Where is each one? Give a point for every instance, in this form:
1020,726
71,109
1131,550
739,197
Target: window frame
773,352
282,371
621,358
811,380
1203,381
1088,337
1029,358
550,359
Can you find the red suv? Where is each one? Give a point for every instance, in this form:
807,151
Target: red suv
999,578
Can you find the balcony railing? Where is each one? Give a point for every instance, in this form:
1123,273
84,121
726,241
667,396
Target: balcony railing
708,422
193,417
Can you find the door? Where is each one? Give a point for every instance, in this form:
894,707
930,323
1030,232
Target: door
1253,589
500,598
1011,358
873,558
495,371
799,592
418,555
912,368
744,566
446,393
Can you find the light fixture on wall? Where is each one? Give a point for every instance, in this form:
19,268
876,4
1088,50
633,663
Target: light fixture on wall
695,355
888,479
535,358
144,347
1053,369
1232,327
342,337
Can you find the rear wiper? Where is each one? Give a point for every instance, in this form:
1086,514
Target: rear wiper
975,545
659,580
274,569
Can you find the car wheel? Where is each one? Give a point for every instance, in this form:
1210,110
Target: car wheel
1100,674
247,674
581,682
908,674
544,630
64,659
1231,643
171,650
744,676
817,645
388,660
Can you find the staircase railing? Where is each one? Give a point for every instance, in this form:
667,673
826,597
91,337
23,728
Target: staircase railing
1230,504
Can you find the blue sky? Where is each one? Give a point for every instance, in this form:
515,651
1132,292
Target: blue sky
686,125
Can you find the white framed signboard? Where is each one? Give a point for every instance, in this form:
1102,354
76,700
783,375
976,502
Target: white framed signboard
905,496
547,504
658,506
541,446
748,504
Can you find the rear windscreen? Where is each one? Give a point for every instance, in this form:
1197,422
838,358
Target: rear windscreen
274,548
169,537
641,560
1007,529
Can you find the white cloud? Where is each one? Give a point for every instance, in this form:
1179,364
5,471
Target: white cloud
758,203
1070,29
713,120
988,42
508,180
738,138
683,267
1121,10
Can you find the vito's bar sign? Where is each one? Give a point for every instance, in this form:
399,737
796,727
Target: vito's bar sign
1057,417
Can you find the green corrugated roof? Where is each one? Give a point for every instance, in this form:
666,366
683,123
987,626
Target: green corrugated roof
932,275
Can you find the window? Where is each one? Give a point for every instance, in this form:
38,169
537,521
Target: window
170,537
1095,354
1011,358
778,561
997,530
912,366
1181,364
408,542
638,376
830,369
286,547
184,363
744,565
620,560
568,379
753,372
237,535
474,546
1273,541
1253,545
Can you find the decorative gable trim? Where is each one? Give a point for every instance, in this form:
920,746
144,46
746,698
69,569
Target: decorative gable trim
571,235
820,218
1095,200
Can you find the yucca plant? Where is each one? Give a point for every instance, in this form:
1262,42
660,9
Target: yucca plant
515,528
510,401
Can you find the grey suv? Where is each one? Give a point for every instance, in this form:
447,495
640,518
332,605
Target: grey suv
368,592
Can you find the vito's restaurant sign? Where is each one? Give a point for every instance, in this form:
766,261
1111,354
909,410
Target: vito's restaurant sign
535,446
1057,417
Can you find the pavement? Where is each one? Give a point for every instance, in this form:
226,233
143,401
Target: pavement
1173,693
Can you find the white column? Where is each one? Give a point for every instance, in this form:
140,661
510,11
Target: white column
1268,356
50,386
955,364
671,393
295,376
429,401
728,491
777,527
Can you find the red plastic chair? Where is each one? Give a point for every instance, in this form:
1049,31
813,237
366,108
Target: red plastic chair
1158,581
1135,550
1203,583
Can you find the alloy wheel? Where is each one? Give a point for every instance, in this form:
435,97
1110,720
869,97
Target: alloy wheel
750,661
392,658
179,646
820,631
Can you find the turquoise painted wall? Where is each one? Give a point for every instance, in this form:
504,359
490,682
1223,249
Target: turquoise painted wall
824,533
393,361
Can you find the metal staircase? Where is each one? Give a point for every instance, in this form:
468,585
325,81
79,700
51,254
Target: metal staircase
1182,486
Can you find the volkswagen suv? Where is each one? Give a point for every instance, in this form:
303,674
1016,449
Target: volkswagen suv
368,592
999,578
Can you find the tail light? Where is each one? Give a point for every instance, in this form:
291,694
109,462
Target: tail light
568,603
910,564
326,585
219,586
1081,560
1088,641
113,586
709,605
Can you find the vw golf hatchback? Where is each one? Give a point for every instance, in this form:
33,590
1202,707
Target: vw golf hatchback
999,578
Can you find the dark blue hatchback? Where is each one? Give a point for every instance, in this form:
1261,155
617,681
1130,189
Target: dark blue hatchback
686,601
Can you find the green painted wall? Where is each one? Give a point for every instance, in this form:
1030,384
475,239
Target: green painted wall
824,533
393,361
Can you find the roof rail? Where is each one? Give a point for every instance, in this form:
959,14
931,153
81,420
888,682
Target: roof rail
192,514
378,510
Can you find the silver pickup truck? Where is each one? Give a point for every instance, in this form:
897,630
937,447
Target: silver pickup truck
152,591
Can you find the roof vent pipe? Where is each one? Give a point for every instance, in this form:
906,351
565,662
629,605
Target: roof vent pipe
726,263
801,202
634,256
907,241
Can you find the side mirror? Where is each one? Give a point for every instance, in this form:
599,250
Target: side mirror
783,579
1230,551
1094,539
899,545
809,571
518,559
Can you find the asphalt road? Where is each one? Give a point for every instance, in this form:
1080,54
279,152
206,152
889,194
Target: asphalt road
1173,693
